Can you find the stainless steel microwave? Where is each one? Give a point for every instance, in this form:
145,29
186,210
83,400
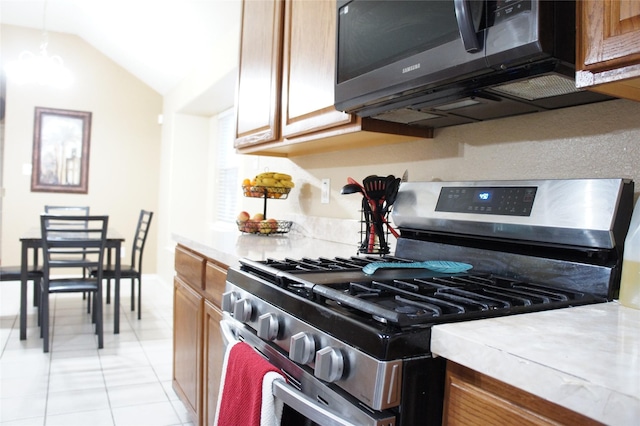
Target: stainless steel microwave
442,62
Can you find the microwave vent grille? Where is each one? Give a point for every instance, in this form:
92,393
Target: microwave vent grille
545,86
405,116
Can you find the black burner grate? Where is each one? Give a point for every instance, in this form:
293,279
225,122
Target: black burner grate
446,299
321,264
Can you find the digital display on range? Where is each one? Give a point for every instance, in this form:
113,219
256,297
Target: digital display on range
483,196
508,200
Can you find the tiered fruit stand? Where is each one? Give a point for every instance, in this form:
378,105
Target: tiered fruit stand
262,228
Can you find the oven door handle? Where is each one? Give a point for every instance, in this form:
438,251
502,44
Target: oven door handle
290,395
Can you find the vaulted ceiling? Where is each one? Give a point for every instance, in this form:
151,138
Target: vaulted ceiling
158,41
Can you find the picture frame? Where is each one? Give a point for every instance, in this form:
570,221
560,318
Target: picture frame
61,142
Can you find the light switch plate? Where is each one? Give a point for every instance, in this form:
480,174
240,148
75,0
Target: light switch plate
325,189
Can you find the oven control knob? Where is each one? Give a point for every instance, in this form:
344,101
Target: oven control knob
329,364
268,326
228,301
242,310
302,348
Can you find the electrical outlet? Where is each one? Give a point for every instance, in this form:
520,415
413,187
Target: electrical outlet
325,189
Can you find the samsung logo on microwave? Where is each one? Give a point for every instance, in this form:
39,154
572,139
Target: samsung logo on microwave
411,68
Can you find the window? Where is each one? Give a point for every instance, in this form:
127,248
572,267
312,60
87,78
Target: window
227,191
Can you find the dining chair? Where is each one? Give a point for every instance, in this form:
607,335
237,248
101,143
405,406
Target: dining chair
133,270
13,273
70,211
72,242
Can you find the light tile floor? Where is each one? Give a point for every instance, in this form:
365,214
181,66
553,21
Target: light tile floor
128,382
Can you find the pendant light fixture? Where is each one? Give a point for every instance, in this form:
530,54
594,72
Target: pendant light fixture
40,68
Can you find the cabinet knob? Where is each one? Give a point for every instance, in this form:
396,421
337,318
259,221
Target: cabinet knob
329,364
268,326
242,310
302,348
229,299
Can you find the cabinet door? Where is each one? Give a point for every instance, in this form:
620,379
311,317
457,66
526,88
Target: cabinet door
309,68
187,338
472,398
213,355
608,46
260,75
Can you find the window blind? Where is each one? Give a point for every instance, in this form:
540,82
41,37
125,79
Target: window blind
226,181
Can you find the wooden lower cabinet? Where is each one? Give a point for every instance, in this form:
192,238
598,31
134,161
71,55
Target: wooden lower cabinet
213,355
187,345
198,350
472,398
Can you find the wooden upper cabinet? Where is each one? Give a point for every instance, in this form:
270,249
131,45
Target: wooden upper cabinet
608,47
286,85
309,68
260,76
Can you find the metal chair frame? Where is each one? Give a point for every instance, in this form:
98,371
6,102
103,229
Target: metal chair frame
134,269
72,242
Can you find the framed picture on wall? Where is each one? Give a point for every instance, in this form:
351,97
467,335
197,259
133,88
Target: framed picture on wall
60,151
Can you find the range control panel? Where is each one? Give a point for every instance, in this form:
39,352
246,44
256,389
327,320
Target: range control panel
508,200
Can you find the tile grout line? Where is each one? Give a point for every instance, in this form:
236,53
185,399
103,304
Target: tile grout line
50,355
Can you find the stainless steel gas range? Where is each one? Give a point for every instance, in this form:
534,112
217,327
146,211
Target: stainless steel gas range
355,347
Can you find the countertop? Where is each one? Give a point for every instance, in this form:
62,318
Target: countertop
230,246
584,358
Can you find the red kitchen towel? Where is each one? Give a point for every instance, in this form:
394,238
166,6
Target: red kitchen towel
245,396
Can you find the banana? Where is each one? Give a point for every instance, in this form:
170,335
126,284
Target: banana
273,179
265,181
281,176
266,174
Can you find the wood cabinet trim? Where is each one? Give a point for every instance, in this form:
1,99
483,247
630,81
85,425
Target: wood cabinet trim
473,395
610,39
187,347
212,361
314,128
190,265
197,347
248,92
215,281
608,47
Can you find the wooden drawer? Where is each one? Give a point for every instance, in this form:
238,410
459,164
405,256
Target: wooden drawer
190,267
215,279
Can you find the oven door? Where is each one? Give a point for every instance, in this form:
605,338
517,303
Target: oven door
307,400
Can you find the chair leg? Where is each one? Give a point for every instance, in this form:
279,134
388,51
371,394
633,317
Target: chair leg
139,297
44,327
108,291
97,309
35,292
133,294
89,302
40,315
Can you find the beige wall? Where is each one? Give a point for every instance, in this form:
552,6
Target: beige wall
597,140
125,141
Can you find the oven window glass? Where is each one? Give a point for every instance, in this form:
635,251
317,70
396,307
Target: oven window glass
376,33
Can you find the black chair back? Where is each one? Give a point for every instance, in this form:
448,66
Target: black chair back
140,239
67,210
73,241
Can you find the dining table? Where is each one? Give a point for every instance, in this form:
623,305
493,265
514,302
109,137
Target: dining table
31,241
